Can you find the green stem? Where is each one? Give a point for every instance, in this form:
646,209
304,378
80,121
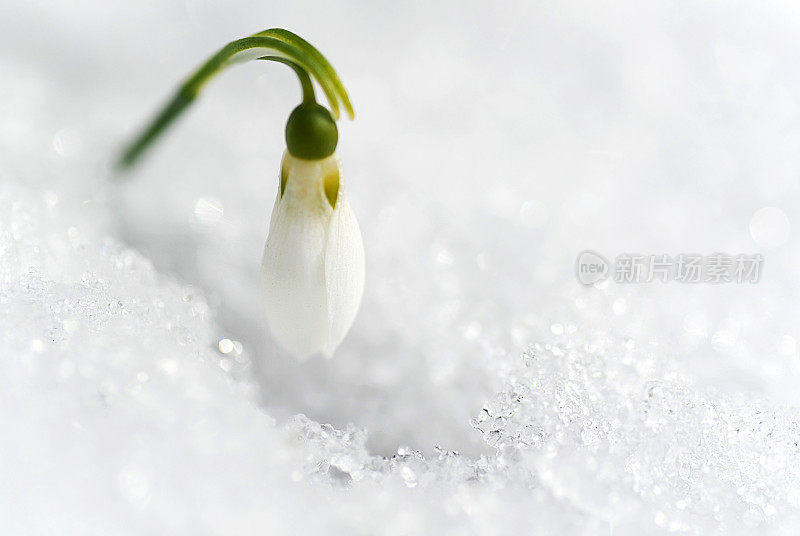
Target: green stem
168,113
282,46
305,80
299,42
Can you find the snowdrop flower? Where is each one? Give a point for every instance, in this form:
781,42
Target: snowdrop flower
313,263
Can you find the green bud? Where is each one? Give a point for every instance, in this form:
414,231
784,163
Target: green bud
311,132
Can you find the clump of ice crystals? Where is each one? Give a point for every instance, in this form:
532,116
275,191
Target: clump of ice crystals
638,449
123,413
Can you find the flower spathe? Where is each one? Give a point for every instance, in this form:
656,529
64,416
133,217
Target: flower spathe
313,265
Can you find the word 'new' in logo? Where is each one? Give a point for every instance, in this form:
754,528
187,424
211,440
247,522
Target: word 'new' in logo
591,267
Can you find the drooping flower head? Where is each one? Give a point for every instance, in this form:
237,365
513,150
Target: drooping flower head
313,262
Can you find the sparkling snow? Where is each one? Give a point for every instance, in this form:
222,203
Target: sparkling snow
482,389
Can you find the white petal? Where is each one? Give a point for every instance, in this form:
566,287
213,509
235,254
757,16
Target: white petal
344,271
313,265
293,266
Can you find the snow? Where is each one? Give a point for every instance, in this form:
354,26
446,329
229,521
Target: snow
482,389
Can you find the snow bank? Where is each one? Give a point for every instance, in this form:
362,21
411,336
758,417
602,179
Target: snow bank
482,390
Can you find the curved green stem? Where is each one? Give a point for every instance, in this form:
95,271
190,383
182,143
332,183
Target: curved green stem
297,41
305,80
280,45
